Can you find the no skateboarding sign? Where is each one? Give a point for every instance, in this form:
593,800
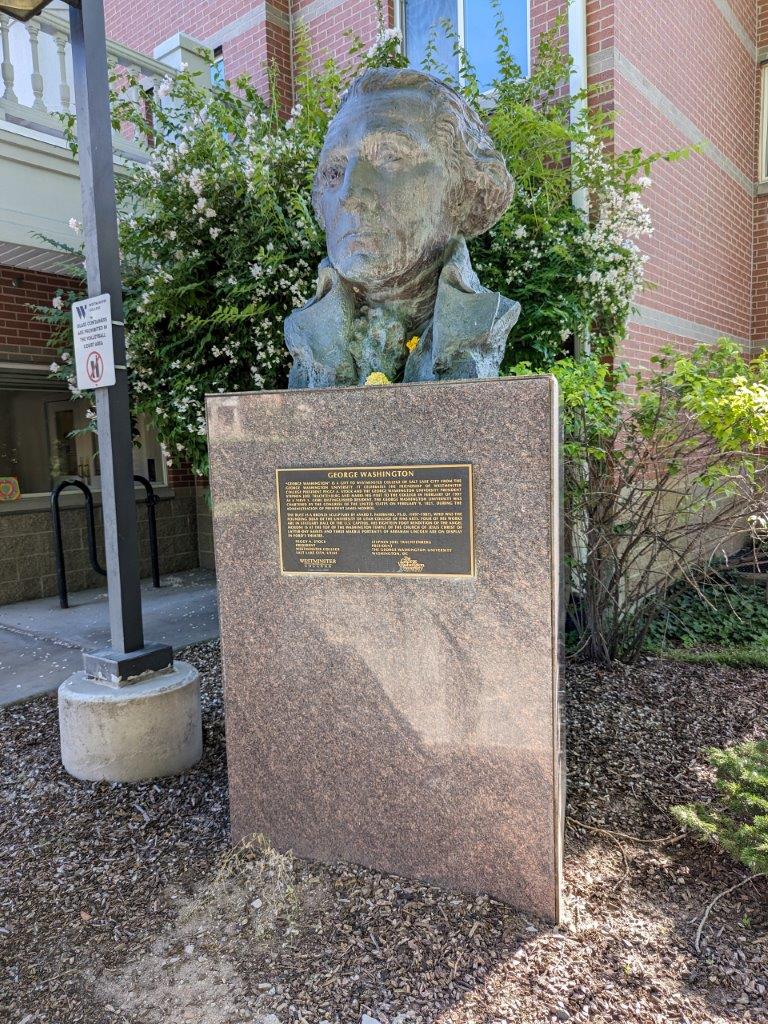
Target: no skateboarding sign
94,351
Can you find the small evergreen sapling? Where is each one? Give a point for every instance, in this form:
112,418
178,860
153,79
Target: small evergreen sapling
737,819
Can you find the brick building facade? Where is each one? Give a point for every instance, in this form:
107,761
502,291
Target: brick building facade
685,74
677,75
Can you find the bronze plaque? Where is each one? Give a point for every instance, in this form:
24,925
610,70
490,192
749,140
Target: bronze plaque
376,520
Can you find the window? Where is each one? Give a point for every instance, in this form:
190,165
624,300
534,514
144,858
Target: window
217,68
37,449
762,176
474,22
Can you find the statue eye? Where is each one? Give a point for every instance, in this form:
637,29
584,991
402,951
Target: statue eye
333,172
390,159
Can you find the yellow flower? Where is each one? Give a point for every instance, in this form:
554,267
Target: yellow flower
411,345
377,378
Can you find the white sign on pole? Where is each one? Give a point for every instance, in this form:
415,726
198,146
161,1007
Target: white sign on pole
94,350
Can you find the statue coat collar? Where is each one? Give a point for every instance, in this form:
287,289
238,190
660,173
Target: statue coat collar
465,338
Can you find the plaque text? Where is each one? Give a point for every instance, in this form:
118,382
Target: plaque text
376,520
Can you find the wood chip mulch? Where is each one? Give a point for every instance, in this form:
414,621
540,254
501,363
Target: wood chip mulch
125,903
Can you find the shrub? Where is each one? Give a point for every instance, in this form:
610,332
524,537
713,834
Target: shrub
219,242
720,613
737,819
661,469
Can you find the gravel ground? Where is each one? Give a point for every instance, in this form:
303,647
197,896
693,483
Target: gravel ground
124,903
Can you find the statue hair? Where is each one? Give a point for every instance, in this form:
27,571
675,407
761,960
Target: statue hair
484,186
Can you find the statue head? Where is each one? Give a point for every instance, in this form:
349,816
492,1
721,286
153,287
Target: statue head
405,167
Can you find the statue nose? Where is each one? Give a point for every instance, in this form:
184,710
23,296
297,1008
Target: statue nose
358,185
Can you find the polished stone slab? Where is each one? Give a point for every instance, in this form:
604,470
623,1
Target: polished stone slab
409,724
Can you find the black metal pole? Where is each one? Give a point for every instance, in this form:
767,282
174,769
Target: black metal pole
102,262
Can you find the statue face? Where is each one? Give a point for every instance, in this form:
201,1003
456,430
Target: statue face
384,185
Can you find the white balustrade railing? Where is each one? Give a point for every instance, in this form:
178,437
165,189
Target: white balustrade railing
36,74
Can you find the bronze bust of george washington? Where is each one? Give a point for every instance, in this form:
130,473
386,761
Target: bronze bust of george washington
407,172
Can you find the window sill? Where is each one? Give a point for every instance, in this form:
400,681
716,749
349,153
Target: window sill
73,499
762,188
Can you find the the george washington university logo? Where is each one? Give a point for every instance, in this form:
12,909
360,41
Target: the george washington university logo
408,564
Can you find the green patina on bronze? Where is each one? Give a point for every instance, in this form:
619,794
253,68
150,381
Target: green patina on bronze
407,173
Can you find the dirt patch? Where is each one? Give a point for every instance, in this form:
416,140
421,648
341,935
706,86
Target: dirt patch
124,903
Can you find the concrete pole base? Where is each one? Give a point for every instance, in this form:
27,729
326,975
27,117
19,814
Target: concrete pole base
145,730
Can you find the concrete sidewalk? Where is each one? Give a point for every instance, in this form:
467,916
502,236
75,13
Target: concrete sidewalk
41,644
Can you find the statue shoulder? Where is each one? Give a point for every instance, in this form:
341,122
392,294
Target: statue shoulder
469,329
317,334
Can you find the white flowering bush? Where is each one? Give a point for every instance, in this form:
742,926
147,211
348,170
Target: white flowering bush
219,243
218,240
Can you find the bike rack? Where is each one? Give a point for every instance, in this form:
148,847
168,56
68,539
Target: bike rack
151,500
58,546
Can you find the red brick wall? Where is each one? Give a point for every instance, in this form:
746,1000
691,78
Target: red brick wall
711,78
180,476
330,25
146,23
700,253
762,22
22,338
257,49
601,18
700,259
760,275
760,227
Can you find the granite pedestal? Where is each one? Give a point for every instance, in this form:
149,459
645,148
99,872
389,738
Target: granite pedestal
410,724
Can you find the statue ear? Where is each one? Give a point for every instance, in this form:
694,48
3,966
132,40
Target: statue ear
489,188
